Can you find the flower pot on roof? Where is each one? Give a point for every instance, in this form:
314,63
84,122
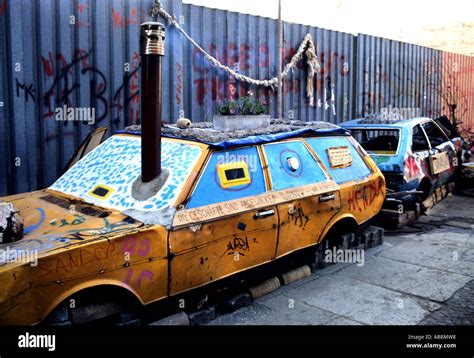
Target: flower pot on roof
243,114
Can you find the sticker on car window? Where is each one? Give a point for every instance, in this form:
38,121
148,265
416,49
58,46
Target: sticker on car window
339,157
101,191
439,163
233,174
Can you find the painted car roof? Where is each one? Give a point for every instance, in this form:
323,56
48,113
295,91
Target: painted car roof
381,123
278,130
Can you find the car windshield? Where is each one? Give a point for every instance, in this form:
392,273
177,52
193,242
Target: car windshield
105,175
380,141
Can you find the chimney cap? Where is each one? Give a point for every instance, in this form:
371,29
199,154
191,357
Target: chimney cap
152,24
152,38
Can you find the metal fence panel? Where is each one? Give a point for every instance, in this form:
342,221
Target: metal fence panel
457,88
84,53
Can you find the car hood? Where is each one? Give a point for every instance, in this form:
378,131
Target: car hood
53,221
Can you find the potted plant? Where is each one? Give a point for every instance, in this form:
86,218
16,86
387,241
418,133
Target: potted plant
242,114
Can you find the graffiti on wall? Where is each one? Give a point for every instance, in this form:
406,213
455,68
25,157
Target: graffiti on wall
245,58
456,90
3,7
62,83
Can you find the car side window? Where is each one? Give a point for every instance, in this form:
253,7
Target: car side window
351,165
229,175
435,135
419,142
291,164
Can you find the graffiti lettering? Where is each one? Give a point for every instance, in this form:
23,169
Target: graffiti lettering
242,56
133,245
27,89
3,7
75,260
360,199
77,221
64,84
145,274
107,228
298,217
238,244
83,9
122,21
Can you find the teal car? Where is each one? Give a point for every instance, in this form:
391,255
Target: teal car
415,155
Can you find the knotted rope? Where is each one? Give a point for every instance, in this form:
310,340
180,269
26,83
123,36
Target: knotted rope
307,49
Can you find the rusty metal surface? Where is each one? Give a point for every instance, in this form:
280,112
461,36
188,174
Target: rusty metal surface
46,62
396,74
458,75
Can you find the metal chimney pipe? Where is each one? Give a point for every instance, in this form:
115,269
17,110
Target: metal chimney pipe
152,49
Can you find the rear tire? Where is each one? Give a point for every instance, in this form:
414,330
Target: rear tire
425,187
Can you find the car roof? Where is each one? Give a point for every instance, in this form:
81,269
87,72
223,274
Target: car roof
278,130
380,122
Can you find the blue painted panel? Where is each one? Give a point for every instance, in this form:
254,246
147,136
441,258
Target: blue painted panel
117,164
4,107
209,189
357,170
281,175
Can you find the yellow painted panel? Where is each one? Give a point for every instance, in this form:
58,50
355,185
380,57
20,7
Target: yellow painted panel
195,236
133,259
147,280
302,221
221,258
363,199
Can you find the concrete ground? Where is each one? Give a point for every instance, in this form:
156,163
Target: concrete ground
421,276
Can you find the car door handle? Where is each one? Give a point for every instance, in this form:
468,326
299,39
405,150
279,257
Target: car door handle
264,214
327,197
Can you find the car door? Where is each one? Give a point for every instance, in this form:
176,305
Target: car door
361,192
417,162
229,223
442,153
312,197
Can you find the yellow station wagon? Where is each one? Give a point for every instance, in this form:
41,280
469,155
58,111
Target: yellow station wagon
225,206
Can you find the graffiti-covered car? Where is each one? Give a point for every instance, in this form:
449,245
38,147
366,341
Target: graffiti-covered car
227,202
453,134
413,154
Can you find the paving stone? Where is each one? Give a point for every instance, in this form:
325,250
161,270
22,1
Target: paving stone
435,285
360,301
458,310
460,224
435,251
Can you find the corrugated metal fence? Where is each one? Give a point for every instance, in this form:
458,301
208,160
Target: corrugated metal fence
84,53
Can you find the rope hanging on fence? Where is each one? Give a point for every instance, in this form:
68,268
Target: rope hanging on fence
307,49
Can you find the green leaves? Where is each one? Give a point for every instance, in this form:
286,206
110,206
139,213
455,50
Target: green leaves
243,106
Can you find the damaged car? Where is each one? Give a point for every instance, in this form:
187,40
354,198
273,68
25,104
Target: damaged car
415,155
